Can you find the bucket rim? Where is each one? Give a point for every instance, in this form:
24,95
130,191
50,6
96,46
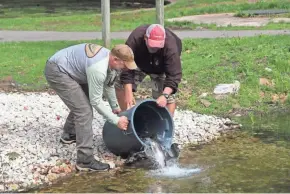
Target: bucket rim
133,113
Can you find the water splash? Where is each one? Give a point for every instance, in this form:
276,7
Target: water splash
165,167
174,171
155,153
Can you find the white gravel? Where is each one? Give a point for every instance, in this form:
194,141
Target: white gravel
31,124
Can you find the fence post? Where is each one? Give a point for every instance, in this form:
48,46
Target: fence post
106,23
160,12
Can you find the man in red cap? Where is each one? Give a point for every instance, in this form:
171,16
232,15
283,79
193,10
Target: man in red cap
157,52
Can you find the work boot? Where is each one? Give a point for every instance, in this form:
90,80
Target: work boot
94,165
68,138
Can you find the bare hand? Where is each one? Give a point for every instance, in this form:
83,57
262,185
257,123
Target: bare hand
129,100
123,123
117,111
162,101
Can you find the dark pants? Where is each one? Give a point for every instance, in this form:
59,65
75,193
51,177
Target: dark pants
80,118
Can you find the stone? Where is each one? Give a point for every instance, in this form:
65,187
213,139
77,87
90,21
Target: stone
13,155
2,188
13,187
112,164
51,177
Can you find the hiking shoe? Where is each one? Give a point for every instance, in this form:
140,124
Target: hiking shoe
94,165
68,138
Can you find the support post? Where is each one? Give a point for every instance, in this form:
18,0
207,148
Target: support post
106,23
160,12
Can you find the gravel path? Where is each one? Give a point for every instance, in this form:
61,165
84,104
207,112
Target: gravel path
30,127
52,36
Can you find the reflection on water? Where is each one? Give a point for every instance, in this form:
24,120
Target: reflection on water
270,128
255,159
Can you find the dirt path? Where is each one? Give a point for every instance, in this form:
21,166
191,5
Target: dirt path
53,36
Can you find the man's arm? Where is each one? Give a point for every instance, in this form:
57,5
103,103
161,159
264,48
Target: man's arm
173,71
109,91
96,81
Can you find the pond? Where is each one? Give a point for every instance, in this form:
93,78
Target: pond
254,159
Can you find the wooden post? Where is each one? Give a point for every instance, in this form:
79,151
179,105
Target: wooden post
160,12
106,23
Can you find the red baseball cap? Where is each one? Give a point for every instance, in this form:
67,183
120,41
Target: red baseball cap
156,36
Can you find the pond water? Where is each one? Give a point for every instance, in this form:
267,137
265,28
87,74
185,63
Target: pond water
254,159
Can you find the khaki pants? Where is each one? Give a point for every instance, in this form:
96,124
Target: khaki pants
80,118
157,83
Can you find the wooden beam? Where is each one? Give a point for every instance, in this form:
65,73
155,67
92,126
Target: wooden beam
106,23
160,12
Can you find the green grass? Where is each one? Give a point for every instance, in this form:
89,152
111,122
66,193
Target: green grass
213,61
90,20
205,62
25,60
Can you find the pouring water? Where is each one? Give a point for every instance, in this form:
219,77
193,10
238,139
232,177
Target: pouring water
155,153
165,167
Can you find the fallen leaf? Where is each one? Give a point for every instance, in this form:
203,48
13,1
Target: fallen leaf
56,170
283,98
67,170
266,82
51,177
275,97
205,102
262,94
279,97
7,79
61,169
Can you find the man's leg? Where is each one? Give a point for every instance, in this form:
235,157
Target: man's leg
171,107
157,90
75,98
69,133
120,92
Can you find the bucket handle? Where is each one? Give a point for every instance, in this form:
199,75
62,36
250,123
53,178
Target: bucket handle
127,133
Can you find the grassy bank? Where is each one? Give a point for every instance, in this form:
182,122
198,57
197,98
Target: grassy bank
206,63
90,20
